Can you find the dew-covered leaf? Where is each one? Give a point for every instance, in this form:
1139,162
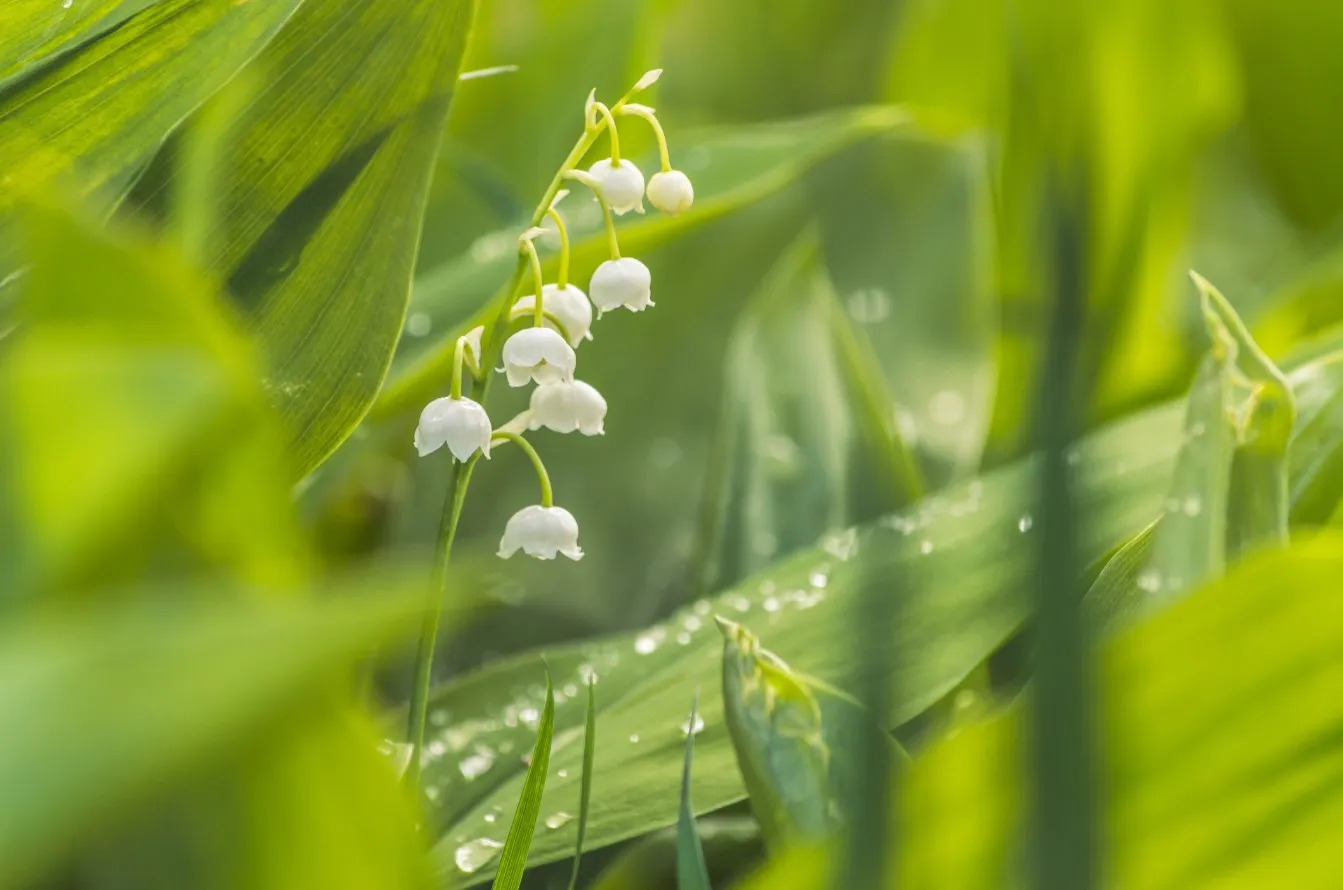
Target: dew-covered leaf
513,856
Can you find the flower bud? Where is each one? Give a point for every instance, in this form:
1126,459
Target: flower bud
568,406
569,304
671,192
541,532
623,282
461,424
538,354
622,186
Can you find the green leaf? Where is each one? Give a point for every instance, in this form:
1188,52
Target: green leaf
1219,760
966,545
691,871
513,859
129,384
786,729
87,121
805,445
585,796
650,864
1316,457
32,30
170,687
324,189
731,168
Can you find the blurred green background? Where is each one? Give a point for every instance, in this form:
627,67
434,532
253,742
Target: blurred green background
238,242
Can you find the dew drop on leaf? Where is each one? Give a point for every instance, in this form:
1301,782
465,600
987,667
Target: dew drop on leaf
474,853
1024,523
558,820
687,729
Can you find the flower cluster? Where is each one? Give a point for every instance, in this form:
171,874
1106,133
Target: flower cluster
543,330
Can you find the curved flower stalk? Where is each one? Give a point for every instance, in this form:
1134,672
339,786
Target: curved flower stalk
533,340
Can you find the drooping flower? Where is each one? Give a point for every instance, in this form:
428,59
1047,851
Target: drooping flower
568,406
541,532
569,304
538,354
621,185
671,191
461,424
621,282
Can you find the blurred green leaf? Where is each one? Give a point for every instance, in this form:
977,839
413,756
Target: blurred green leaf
513,858
88,120
691,871
1219,760
104,707
650,863
33,30
805,445
965,544
731,168
1317,452
134,431
585,795
324,189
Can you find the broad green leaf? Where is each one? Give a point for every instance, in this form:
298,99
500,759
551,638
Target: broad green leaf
788,732
134,433
691,871
1317,459
1115,597
513,857
585,795
731,168
965,547
32,30
324,189
161,690
1217,750
88,120
804,445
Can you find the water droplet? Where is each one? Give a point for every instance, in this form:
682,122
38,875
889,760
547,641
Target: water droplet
683,638
947,407
841,545
965,699
477,763
772,604
431,792
563,774
634,739
558,820
648,641
703,607
570,689
66,4
767,587
1192,505
687,729
419,324
438,718
1150,580
473,854
436,748
490,817
692,623
925,546
819,577
739,602
1197,430
530,716
1024,523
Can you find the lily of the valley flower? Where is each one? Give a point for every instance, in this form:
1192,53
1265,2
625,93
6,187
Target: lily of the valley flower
670,191
538,354
568,304
541,532
621,282
568,406
461,424
621,184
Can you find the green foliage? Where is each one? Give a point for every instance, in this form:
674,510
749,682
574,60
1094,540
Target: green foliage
513,856
691,871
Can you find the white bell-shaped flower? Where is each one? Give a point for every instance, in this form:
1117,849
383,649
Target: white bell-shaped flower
569,304
567,406
622,185
671,192
461,424
472,339
623,282
541,532
538,354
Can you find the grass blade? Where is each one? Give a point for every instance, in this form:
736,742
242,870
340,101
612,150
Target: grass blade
585,796
513,859
691,871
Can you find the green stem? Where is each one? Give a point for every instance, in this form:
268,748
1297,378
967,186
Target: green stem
547,496
458,353
538,313
610,125
609,218
562,280
424,658
647,114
